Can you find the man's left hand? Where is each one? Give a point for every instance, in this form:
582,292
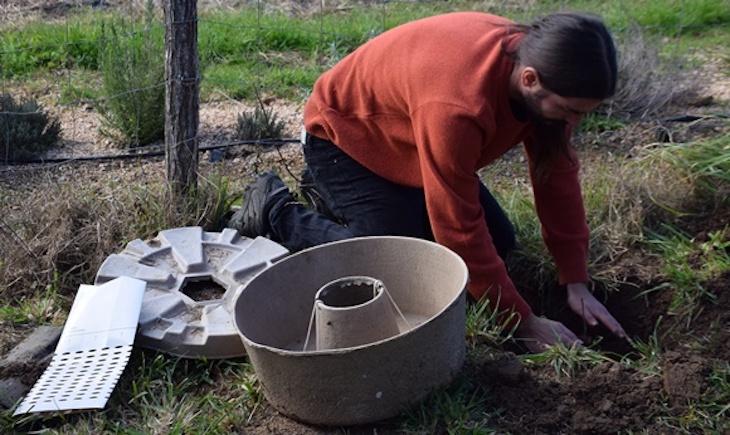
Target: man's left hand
582,302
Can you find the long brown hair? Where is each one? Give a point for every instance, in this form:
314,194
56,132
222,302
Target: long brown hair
575,56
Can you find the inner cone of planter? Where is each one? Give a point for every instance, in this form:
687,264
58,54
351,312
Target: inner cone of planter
355,331
354,311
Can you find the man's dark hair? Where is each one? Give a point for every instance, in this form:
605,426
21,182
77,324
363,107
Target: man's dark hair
573,53
575,57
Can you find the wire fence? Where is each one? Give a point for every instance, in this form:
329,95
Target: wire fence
266,54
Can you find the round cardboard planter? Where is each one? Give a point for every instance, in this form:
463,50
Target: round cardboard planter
275,316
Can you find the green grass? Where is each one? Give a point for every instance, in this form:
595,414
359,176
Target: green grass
688,264
240,40
459,409
647,355
39,46
705,164
598,123
43,307
613,213
662,16
710,43
485,325
531,256
241,79
567,361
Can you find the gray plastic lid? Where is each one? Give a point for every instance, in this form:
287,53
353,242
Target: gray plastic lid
176,319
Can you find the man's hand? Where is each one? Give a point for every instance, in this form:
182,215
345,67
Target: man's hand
538,332
583,303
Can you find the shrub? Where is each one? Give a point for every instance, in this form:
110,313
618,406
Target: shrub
259,123
133,69
26,131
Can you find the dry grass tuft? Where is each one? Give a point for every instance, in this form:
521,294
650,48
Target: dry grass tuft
62,232
647,82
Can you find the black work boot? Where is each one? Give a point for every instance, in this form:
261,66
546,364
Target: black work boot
252,219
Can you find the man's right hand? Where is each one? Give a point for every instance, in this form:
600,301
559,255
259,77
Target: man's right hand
538,332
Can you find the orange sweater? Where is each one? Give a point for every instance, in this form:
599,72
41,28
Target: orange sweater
426,105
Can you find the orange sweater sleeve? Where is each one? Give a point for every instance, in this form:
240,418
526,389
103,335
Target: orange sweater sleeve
449,147
559,205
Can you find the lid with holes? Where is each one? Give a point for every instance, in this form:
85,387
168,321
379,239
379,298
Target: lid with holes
193,278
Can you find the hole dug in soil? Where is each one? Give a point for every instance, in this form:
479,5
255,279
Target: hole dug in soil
612,397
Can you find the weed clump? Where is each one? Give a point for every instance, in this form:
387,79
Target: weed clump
26,130
647,82
259,123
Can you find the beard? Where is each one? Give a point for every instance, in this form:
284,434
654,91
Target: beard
526,108
551,136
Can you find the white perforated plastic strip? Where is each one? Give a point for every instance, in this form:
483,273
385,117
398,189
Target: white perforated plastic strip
93,349
77,380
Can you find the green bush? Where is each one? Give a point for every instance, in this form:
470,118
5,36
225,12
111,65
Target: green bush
26,131
132,64
260,123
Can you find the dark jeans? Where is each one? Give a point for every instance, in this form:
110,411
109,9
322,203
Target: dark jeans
361,203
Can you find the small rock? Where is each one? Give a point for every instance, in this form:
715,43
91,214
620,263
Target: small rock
35,350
